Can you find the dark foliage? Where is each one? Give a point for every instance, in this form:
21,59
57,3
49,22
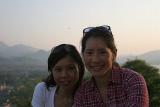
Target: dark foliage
152,77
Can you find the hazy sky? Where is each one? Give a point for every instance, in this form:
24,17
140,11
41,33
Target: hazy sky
46,23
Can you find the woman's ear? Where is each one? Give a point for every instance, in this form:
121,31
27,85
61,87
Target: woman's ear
114,56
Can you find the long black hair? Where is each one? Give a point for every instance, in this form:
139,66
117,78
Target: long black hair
59,52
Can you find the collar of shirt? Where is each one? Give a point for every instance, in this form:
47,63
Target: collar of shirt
115,79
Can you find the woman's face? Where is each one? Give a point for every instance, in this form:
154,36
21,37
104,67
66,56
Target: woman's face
66,73
98,57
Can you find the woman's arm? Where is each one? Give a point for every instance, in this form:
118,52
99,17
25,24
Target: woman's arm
39,95
137,92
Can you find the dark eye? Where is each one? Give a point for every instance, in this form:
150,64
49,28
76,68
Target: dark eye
102,52
88,52
57,69
71,67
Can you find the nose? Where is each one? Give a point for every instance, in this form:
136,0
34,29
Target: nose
95,58
64,73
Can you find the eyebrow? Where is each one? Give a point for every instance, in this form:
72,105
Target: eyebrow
102,49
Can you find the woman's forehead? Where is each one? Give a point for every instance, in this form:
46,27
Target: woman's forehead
95,42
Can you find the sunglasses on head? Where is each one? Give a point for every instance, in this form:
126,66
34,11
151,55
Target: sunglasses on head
100,28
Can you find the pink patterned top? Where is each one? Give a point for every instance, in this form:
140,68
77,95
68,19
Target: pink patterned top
125,89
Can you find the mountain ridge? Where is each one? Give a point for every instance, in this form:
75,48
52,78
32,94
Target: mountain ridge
27,55
151,57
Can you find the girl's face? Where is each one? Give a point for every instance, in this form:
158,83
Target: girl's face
66,73
98,57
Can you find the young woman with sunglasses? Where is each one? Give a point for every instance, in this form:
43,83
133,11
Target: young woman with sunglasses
110,85
66,71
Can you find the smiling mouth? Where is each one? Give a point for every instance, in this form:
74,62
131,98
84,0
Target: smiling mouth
96,68
65,83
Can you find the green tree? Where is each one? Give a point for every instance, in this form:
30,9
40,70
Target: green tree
152,77
21,95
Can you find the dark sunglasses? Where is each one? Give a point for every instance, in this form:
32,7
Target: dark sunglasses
101,28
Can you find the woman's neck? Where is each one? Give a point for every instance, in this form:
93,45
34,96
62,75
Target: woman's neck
63,97
64,92
102,81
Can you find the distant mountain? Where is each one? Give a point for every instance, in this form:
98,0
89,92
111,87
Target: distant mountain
16,50
40,55
3,46
152,57
22,57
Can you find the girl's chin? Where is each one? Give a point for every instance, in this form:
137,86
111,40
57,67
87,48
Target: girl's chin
97,74
67,87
